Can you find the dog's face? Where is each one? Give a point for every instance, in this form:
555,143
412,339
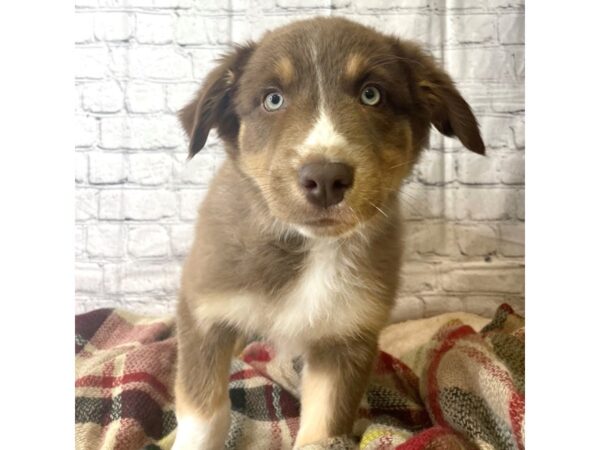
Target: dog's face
327,117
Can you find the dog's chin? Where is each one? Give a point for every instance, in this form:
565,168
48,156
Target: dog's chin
338,222
325,228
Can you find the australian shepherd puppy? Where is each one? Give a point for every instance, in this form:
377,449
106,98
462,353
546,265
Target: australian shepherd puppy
298,238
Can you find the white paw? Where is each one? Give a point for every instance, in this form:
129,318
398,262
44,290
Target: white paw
197,433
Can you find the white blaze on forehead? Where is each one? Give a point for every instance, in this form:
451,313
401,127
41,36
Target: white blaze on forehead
322,136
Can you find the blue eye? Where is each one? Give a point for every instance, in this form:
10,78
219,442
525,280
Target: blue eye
273,101
370,96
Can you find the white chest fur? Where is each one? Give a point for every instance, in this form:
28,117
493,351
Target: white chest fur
324,298
329,298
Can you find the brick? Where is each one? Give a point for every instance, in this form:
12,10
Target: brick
102,96
179,4
484,64
256,7
88,277
119,61
111,204
439,304
148,241
517,302
407,307
518,60
137,278
81,167
418,277
516,4
120,4
152,305
154,28
199,170
158,62
146,132
387,4
512,169
86,131
113,26
86,3
203,61
428,238
135,204
86,303
190,200
418,202
485,204
408,26
182,237
180,94
106,168
79,240
435,168
91,62
483,305
508,98
496,130
476,240
512,239
518,132
243,30
84,28
150,169
105,240
86,204
520,204
144,97
459,4
149,205
303,3
476,169
469,29
195,29
482,277
504,97
340,4
511,28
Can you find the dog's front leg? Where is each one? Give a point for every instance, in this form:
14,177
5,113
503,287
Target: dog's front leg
201,387
334,379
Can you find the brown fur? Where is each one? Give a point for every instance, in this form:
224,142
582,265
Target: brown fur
253,262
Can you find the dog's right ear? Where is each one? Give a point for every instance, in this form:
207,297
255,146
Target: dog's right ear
448,110
213,105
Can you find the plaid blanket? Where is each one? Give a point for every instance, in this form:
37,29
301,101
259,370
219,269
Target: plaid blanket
461,390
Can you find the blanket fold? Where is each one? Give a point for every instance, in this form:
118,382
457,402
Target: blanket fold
461,390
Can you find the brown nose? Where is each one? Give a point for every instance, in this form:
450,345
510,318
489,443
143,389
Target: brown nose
325,184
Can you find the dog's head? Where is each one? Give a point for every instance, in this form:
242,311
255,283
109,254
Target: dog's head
327,117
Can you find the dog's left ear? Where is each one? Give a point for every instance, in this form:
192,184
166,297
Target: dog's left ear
213,106
448,110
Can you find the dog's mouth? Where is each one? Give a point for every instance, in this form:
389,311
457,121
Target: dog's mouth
326,226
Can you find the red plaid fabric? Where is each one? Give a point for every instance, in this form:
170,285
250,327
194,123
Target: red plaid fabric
465,390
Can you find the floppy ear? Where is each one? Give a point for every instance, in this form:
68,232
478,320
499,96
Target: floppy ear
213,105
448,111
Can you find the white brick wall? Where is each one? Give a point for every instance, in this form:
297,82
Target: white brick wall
139,61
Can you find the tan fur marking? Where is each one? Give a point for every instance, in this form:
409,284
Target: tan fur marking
285,70
241,133
354,65
229,77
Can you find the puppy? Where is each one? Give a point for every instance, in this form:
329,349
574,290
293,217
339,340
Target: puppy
298,237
